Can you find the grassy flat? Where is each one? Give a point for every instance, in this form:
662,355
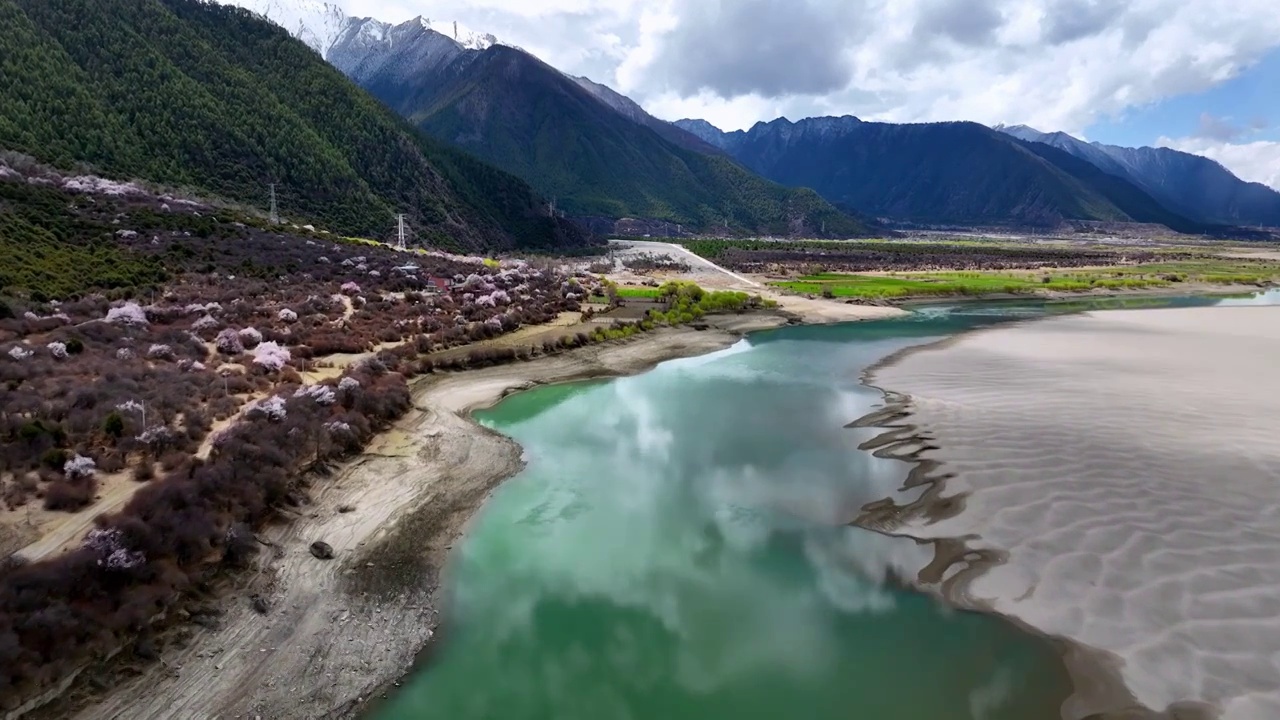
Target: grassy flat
1154,275
629,292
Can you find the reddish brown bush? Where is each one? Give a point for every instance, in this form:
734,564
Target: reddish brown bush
144,471
69,495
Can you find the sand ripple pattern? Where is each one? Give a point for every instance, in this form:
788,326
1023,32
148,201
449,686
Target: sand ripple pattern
1128,463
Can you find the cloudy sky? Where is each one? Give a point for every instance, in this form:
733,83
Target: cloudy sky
1199,75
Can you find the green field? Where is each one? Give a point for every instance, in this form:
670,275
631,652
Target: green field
639,293
1136,277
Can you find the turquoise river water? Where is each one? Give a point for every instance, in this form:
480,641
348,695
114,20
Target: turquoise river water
677,548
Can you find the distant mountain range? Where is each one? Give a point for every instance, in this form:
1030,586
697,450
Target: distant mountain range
198,95
600,154
938,173
597,153
1198,187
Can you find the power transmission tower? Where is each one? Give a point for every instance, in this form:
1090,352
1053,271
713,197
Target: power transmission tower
400,222
275,215
455,30
553,207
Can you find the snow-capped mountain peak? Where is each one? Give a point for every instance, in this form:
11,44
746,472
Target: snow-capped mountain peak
1022,132
315,22
461,34
321,24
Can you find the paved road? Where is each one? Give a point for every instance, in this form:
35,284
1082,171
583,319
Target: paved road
680,253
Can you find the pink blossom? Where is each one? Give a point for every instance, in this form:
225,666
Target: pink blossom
250,337
155,435
272,407
160,351
100,186
271,356
206,322
79,466
131,406
131,313
228,342
321,394
108,543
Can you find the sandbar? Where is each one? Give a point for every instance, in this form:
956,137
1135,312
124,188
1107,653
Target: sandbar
1115,477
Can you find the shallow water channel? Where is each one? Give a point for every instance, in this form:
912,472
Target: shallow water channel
678,548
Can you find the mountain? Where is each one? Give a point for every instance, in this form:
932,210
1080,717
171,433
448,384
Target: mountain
314,22
322,24
593,150
1198,187
1125,196
384,58
939,173
213,98
706,132
631,110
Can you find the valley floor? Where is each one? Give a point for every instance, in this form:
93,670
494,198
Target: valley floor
336,633
339,632
890,272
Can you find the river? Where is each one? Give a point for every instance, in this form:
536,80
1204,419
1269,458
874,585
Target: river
678,548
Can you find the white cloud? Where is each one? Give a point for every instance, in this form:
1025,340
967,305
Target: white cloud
1257,161
1046,63
1052,64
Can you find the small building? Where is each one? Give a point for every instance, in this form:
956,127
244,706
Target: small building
439,284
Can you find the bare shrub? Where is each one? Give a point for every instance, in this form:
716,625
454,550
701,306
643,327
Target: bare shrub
69,495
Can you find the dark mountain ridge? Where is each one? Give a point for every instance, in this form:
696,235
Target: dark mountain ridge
1196,186
947,173
595,152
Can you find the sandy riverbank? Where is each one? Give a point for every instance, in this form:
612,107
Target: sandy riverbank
1116,480
336,632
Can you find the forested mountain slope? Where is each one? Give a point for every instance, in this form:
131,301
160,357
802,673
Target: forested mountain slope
213,97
